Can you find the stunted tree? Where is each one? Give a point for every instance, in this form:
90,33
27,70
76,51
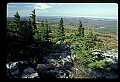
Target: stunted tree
33,17
13,37
14,26
90,39
60,31
80,29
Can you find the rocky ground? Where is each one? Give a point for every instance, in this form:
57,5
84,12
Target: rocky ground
61,63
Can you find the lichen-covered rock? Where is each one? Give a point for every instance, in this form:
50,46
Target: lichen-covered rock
32,75
12,65
29,73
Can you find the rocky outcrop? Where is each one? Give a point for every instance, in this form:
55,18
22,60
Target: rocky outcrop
61,61
56,65
110,56
104,74
20,69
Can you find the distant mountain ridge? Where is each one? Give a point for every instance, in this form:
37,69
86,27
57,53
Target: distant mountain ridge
69,17
73,21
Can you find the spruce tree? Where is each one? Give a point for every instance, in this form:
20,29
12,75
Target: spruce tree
60,31
80,29
13,38
33,17
82,32
90,39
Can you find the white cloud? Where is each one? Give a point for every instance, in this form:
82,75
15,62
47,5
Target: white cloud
42,6
45,5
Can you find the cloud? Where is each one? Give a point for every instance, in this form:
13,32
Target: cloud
45,5
42,6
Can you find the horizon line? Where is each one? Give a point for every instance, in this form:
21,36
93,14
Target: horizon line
72,16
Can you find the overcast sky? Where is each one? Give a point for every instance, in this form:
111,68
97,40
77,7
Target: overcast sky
97,10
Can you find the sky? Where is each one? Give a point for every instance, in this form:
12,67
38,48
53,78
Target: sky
96,10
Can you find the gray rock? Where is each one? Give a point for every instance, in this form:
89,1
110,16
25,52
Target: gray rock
68,65
56,55
14,69
59,42
15,73
32,75
56,73
50,60
12,65
41,67
29,73
29,70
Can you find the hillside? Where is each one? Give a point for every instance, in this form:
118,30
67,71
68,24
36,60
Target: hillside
62,48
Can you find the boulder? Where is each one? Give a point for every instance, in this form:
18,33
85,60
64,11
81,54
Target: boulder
15,72
68,65
29,73
56,73
12,65
42,69
12,70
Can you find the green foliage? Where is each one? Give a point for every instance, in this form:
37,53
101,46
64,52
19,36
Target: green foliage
60,31
13,37
109,36
98,64
20,39
107,30
33,18
42,33
80,29
90,39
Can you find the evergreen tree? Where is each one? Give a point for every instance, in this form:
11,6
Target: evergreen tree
82,32
15,25
13,37
33,17
90,39
80,29
60,31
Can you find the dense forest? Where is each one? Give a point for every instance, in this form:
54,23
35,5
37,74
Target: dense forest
49,41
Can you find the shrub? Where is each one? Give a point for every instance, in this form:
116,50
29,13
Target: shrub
98,64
